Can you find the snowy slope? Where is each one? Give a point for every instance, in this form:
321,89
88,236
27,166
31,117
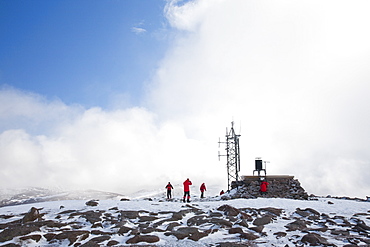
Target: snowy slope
336,209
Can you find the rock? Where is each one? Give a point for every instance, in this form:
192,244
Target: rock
235,230
264,220
198,235
11,245
124,199
143,238
249,236
130,214
297,225
184,232
15,231
124,229
246,216
90,244
92,216
258,229
273,211
112,242
229,210
72,235
314,239
32,237
280,234
49,236
32,215
147,218
92,203
215,214
172,225
197,220
233,244
100,239
242,223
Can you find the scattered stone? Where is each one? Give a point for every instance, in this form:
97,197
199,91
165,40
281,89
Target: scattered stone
264,220
280,234
15,231
297,225
92,216
72,235
229,210
143,238
235,230
32,237
124,229
258,229
249,236
32,215
92,203
130,214
314,239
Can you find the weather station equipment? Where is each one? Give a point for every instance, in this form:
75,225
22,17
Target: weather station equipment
232,156
259,166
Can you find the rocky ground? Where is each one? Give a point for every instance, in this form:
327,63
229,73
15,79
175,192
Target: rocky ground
156,222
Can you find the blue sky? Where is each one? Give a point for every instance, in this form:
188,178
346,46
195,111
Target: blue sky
93,91
82,52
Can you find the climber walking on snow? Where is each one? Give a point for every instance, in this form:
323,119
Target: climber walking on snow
202,189
169,187
187,184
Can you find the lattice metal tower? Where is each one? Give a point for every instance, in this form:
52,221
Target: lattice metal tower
233,156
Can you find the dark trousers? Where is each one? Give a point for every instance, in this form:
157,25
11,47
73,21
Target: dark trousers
169,194
187,194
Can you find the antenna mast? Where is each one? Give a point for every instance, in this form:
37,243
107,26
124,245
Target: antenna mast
233,156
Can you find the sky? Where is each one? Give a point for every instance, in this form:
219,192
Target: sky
127,95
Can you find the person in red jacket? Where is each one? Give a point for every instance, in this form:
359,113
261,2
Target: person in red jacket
202,189
263,187
169,187
187,184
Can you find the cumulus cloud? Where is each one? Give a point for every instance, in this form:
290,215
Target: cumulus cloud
293,75
123,150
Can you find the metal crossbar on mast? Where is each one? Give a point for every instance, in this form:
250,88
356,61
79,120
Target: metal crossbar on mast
232,155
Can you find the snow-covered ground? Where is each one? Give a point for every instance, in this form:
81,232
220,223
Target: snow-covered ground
328,206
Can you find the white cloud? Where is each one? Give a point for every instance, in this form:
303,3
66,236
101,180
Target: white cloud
294,74
138,30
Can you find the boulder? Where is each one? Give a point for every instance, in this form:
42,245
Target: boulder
17,230
297,225
92,216
130,214
229,210
35,237
72,236
235,230
143,238
32,215
314,239
264,220
92,203
249,236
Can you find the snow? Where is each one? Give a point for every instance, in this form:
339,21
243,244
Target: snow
346,208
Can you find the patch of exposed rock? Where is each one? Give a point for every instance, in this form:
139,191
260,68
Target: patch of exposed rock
238,226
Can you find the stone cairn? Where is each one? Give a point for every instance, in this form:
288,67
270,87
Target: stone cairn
279,187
